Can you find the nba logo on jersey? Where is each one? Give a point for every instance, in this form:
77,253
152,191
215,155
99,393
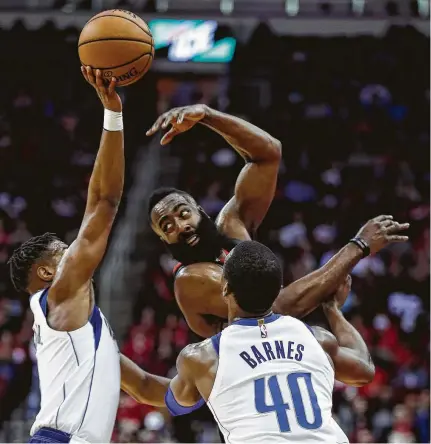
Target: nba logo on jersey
263,330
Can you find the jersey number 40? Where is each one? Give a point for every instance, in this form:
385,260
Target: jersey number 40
280,408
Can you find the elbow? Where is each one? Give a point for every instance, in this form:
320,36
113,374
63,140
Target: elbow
369,377
110,201
366,378
275,147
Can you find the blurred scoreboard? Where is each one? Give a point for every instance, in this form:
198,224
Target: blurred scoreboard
198,41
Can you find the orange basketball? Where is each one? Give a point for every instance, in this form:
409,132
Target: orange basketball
119,43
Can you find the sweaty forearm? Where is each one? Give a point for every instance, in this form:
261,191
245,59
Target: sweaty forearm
347,336
304,295
107,179
248,140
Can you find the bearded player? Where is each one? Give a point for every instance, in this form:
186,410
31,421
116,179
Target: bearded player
201,245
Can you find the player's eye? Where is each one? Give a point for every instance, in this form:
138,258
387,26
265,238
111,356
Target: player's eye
167,227
184,213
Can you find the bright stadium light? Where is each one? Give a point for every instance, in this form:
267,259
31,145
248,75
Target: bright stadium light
292,7
423,8
358,7
226,6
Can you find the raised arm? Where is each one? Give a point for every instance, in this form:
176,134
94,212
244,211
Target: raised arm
104,195
352,361
304,295
256,183
255,186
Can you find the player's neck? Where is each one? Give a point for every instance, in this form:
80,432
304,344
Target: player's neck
37,286
244,315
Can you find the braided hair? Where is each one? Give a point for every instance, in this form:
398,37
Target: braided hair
26,255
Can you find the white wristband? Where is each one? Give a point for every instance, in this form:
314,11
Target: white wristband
113,121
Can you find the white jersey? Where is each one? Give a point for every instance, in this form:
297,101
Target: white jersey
79,373
273,384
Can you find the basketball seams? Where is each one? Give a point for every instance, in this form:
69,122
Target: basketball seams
127,63
125,18
105,39
127,38
142,73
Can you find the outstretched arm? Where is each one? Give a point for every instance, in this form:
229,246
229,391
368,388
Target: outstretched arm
257,181
104,195
179,394
144,387
352,361
304,295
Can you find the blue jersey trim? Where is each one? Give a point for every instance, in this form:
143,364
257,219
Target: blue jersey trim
251,322
216,342
43,301
96,322
311,330
48,435
176,409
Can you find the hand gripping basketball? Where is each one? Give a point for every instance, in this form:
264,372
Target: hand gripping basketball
105,89
119,43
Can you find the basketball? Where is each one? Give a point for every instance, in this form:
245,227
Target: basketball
119,43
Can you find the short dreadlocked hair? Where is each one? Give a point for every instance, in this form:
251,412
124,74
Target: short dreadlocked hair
160,193
26,255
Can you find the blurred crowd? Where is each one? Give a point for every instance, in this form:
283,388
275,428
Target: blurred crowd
353,117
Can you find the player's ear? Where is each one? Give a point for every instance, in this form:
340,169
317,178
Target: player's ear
156,231
45,273
225,290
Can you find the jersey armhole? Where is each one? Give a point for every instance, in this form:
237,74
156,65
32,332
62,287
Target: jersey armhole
95,320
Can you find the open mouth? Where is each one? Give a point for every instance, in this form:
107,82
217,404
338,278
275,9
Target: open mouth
193,240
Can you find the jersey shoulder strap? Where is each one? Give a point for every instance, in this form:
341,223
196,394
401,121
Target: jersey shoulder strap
39,305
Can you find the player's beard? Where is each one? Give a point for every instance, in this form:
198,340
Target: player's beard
208,249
